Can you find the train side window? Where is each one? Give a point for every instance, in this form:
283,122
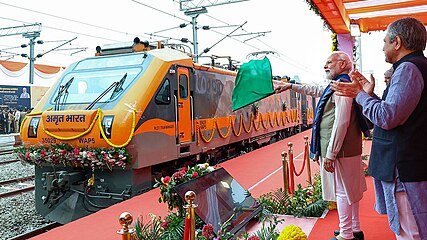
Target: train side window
183,86
163,97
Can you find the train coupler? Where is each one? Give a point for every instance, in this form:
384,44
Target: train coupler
57,184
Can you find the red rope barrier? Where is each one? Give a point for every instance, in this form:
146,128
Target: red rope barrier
303,165
291,175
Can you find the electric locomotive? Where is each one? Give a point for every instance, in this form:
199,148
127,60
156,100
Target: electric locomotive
157,106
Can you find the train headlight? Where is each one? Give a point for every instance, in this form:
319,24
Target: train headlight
32,129
107,125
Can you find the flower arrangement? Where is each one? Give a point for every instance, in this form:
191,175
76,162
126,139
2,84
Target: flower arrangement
267,231
95,158
207,232
292,232
167,184
305,202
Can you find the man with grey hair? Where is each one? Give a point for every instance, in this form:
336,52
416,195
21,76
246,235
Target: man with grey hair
397,163
337,142
387,76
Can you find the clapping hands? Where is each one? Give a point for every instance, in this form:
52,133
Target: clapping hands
358,84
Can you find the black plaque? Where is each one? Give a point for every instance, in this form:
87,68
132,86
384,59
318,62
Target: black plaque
219,197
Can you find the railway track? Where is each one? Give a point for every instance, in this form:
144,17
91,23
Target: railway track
37,231
16,186
9,161
7,151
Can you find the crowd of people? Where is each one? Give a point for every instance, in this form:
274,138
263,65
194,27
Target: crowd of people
11,119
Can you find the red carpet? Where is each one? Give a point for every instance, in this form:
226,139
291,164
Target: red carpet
258,171
374,225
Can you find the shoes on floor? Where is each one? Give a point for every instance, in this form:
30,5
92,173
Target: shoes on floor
340,238
356,235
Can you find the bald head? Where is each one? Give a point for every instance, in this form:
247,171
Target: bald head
342,56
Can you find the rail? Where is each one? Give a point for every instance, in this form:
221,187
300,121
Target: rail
6,152
9,161
37,231
16,190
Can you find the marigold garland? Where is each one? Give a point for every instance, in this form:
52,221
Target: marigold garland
334,42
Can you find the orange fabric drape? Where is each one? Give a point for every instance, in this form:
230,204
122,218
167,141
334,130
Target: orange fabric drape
13,66
16,66
47,69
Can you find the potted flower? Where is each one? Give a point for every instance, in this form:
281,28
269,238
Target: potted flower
166,184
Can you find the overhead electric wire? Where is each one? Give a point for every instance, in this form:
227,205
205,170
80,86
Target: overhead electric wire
63,30
290,61
68,19
172,15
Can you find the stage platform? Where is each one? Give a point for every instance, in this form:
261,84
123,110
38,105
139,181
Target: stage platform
259,171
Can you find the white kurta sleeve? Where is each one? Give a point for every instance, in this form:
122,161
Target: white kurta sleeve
343,108
306,89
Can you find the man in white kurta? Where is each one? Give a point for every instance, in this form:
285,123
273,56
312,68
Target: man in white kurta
341,169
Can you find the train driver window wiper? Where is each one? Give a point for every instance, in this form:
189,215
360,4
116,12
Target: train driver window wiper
63,90
118,87
115,85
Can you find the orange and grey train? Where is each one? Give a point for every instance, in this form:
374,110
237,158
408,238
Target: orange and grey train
157,106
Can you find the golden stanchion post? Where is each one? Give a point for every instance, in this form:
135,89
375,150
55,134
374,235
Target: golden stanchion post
285,173
291,166
126,220
190,196
307,159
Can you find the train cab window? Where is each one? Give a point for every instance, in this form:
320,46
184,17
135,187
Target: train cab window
81,87
183,86
163,97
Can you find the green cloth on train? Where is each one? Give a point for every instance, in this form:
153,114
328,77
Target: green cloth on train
253,82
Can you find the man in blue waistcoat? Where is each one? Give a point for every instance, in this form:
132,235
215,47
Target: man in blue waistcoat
337,142
397,164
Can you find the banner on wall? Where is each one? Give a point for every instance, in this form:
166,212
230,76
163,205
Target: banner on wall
15,96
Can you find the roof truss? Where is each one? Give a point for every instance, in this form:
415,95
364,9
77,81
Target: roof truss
371,15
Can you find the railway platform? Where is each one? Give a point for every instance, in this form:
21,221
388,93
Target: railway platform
258,171
8,141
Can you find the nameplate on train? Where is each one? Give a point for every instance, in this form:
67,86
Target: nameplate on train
68,118
62,122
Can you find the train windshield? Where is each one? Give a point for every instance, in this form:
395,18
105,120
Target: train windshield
91,77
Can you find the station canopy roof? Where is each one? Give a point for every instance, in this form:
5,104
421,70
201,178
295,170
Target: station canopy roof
371,15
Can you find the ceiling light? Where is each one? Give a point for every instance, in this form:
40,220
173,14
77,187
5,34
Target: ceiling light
354,30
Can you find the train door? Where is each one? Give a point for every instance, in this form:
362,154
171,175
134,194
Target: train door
185,124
